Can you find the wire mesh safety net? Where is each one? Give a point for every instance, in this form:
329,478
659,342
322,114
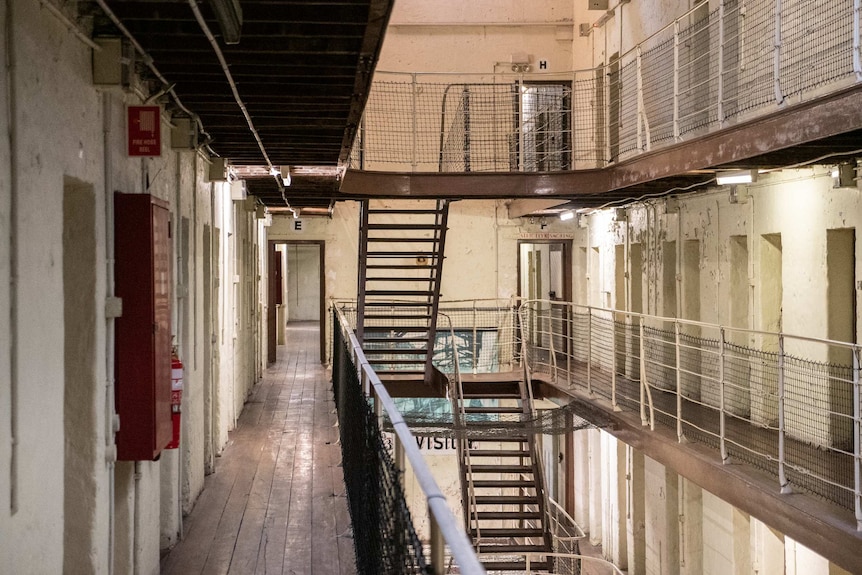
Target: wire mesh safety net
721,62
433,418
485,340
384,536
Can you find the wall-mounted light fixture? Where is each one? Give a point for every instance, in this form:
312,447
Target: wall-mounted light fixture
736,177
229,16
567,215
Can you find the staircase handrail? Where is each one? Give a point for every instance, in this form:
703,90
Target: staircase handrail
459,416
438,508
563,513
536,453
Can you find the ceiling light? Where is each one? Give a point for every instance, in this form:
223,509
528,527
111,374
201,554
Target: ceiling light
736,177
567,215
229,16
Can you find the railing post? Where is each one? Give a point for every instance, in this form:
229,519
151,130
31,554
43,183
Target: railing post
590,350
720,88
551,348
679,434
606,114
776,73
639,98
644,420
676,130
857,41
475,355
722,422
398,452
438,546
782,475
614,363
570,345
414,130
521,139
644,143
857,438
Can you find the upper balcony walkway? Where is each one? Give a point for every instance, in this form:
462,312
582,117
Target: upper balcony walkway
758,84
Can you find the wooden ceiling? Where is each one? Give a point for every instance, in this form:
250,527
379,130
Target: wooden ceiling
302,69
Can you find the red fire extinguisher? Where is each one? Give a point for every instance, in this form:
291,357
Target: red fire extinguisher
176,397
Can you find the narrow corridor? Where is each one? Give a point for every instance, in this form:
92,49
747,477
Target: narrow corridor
276,502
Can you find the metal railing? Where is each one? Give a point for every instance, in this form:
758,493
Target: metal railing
719,64
372,488
789,405
459,416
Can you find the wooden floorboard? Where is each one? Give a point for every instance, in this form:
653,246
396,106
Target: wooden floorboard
276,503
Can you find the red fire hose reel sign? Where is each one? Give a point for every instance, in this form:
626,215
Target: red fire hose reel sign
145,131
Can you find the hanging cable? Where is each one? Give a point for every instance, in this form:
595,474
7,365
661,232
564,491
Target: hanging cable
214,43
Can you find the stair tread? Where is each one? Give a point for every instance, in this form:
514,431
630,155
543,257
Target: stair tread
490,483
501,468
518,566
395,240
425,226
399,279
499,453
400,254
504,515
402,350
509,532
398,292
485,548
398,267
394,339
398,304
506,499
500,395
401,328
493,410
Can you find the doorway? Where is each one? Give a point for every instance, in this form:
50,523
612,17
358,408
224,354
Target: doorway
80,420
297,289
545,274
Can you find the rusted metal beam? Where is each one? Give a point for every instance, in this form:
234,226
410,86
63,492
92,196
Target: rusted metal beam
379,12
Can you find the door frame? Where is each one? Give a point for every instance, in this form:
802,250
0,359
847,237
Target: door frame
567,265
272,338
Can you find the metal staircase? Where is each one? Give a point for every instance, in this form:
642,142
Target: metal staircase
501,475
400,264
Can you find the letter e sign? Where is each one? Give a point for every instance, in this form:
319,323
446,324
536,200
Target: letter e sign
297,225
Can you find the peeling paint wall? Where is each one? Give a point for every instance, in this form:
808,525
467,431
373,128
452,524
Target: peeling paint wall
446,40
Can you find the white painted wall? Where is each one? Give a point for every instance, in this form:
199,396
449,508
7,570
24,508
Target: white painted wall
64,130
686,529
6,432
303,281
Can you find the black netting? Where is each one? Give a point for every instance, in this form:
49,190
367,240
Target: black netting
384,536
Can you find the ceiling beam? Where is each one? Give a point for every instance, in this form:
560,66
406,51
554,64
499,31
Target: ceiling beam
523,207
